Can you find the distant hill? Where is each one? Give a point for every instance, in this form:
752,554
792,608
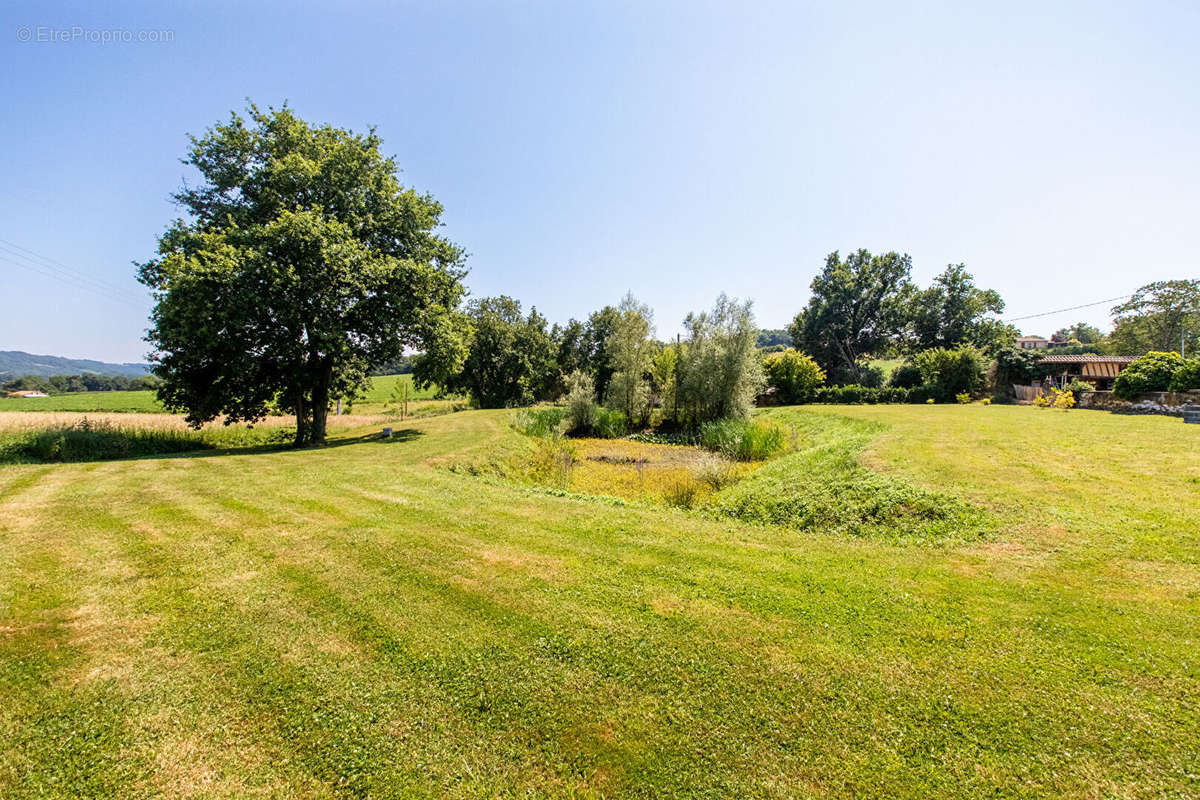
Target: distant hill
16,364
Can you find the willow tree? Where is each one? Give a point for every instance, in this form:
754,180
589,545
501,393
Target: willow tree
629,355
302,262
719,371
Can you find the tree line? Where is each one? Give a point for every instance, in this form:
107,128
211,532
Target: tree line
302,266
613,358
63,384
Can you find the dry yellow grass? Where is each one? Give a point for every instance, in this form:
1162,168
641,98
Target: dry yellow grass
656,472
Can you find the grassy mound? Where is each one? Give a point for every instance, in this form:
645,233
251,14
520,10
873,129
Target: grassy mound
826,487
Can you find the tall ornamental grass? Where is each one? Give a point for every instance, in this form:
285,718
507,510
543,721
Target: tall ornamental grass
743,440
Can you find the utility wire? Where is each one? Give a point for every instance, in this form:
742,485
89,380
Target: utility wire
108,295
25,254
1072,308
15,254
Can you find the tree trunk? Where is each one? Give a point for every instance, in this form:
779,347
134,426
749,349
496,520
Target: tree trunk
301,420
320,406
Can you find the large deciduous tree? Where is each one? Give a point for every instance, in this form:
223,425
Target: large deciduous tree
857,308
302,263
1159,316
1080,332
953,312
597,333
511,359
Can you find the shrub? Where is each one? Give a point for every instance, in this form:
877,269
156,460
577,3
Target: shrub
610,424
741,440
1186,377
922,394
1063,400
1015,366
714,473
962,399
540,422
1076,386
853,394
1150,373
950,372
870,376
581,402
930,401
1042,401
905,376
795,376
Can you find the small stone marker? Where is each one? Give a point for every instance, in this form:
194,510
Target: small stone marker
387,433
1191,415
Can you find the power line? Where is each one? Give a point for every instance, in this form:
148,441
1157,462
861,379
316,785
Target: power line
57,266
16,255
108,295
1072,308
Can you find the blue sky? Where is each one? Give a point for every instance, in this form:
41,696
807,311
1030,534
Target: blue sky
673,149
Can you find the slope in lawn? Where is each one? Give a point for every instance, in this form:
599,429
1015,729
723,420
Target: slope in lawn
825,487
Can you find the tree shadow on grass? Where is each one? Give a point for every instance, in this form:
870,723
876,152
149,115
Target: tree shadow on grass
405,435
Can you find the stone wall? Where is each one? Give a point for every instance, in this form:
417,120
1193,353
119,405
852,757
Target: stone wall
1170,403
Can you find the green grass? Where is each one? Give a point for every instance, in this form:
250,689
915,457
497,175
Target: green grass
382,387
887,365
142,402
825,486
360,621
743,440
89,440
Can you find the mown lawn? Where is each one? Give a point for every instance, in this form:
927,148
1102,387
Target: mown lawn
359,621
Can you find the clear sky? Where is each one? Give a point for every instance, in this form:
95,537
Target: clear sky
673,149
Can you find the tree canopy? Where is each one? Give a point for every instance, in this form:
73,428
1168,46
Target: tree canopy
629,355
511,358
953,311
1080,332
719,368
302,263
856,309
1160,316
